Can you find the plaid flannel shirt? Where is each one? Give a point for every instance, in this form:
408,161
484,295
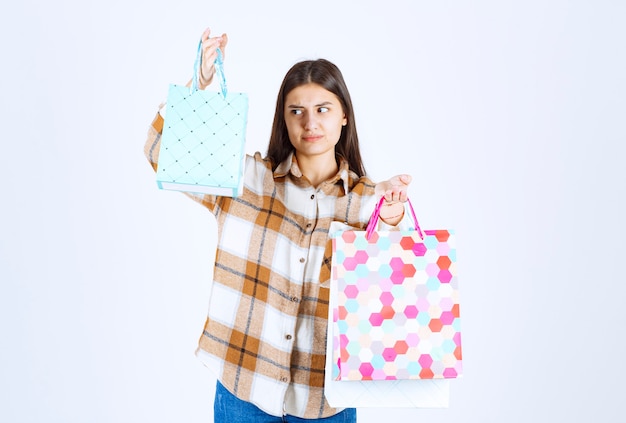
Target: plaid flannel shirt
265,334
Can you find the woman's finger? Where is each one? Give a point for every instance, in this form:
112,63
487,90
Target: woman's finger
223,43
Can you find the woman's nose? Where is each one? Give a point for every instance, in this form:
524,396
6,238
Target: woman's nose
310,121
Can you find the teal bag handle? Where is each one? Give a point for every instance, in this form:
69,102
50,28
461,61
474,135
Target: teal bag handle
219,71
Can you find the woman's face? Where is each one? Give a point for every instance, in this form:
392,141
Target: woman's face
314,118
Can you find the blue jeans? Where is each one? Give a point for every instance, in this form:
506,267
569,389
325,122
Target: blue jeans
230,409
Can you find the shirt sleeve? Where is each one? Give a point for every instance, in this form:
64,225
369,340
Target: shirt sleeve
153,141
151,150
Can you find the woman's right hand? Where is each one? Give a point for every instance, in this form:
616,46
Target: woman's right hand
209,54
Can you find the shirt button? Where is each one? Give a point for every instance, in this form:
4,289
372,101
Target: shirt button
288,337
294,299
308,225
284,379
312,196
301,259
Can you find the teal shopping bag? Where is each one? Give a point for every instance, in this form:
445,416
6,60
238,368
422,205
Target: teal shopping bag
203,140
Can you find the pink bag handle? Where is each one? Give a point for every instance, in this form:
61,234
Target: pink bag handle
373,223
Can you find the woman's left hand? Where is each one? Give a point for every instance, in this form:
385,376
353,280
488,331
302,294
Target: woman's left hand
395,191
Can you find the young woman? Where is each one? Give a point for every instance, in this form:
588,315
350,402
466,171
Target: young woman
265,334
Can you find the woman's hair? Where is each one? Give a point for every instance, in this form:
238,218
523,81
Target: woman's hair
327,75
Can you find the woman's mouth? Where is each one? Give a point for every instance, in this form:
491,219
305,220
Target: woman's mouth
311,138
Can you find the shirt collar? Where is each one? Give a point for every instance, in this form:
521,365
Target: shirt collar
290,165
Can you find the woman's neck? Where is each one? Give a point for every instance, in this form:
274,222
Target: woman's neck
317,169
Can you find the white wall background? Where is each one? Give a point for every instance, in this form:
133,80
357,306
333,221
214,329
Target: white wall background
509,115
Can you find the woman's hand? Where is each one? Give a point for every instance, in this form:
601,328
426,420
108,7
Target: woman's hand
209,54
395,191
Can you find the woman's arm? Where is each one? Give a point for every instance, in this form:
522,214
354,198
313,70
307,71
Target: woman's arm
153,141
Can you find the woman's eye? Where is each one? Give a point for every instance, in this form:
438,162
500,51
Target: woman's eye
296,112
323,109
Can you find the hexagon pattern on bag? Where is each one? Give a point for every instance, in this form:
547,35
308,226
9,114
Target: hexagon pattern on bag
398,306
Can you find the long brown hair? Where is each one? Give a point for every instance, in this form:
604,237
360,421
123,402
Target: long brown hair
327,75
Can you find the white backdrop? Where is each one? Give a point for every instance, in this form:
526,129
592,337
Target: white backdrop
509,115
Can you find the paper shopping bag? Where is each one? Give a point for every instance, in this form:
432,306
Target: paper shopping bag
397,314
203,140
425,393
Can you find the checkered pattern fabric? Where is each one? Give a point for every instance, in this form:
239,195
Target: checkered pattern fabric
265,335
